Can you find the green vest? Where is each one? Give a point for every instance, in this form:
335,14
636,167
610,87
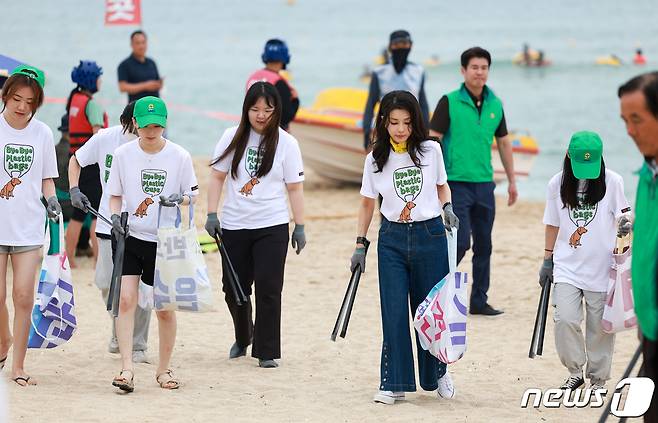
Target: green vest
645,253
467,144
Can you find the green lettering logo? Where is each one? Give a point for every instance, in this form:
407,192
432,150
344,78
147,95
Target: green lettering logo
153,181
18,159
408,182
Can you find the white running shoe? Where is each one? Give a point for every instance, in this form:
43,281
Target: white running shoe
388,397
446,389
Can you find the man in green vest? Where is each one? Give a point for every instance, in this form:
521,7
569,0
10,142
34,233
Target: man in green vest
466,121
639,109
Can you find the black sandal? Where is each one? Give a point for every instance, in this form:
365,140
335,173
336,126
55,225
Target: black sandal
25,380
123,383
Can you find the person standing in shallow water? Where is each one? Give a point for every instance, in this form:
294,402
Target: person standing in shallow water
28,151
407,170
260,164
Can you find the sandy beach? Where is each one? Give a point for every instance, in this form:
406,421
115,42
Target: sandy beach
317,380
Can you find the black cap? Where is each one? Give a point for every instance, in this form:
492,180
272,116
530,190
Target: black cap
399,35
64,125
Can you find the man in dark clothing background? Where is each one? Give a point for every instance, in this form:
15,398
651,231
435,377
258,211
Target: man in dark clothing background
138,74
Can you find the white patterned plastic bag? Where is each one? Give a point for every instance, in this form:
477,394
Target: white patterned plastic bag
53,318
181,281
440,319
618,311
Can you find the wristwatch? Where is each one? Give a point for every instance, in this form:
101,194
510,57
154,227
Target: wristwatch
362,240
446,204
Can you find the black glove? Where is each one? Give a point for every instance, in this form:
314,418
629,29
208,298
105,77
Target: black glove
546,272
172,201
117,229
624,226
359,259
212,225
53,208
79,200
451,219
298,239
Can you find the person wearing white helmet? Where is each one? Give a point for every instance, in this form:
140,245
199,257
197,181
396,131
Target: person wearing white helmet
276,57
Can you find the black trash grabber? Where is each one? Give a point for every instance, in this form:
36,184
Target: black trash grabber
98,215
231,274
627,372
348,301
537,343
117,269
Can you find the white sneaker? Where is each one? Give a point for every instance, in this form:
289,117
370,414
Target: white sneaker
388,397
596,385
140,357
446,389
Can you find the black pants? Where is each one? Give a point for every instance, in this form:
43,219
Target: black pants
258,256
650,370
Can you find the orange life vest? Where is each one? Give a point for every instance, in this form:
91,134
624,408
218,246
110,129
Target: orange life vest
80,130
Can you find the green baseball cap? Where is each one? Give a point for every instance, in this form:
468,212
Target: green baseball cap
31,72
150,110
585,151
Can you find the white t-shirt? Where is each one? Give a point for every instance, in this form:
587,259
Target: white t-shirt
409,193
100,149
253,203
28,157
582,255
140,178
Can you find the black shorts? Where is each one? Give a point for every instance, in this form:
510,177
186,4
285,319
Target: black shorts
90,185
138,258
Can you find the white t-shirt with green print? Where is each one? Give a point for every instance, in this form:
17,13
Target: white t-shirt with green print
140,178
100,149
409,193
28,157
582,255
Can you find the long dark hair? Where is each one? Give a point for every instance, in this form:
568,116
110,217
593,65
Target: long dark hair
269,138
569,186
381,149
126,118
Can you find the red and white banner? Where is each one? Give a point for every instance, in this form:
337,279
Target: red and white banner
123,12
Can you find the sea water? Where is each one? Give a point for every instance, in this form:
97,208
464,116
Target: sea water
206,49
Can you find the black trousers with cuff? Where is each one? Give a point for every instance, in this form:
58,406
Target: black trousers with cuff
259,258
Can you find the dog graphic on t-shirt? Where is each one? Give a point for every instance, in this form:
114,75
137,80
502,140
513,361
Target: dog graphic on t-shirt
574,239
8,190
405,215
142,209
249,186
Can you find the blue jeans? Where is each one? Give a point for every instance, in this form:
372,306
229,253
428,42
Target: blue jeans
475,206
413,257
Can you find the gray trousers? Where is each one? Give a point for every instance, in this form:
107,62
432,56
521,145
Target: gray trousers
597,347
102,279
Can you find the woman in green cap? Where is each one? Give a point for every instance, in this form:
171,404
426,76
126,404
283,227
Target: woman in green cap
29,165
146,171
583,204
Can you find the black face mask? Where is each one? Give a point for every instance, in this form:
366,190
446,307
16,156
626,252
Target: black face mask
399,57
